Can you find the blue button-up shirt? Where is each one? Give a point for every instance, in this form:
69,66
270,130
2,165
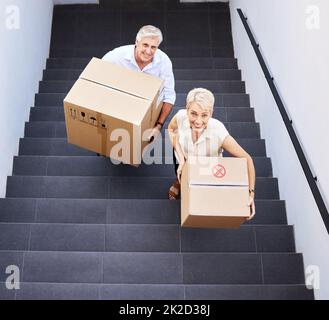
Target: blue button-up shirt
160,66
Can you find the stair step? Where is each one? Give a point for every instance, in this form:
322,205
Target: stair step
236,114
180,74
90,32
248,292
189,6
82,291
60,147
118,6
156,268
243,268
181,47
101,166
238,121
73,291
49,122
123,211
6,294
77,8
221,100
180,86
58,291
178,63
91,28
143,238
109,187
173,49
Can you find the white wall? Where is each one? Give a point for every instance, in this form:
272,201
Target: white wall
23,54
297,57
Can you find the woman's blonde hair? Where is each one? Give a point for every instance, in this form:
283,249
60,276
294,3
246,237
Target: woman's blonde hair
203,97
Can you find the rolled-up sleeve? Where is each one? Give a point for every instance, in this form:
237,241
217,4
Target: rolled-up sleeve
169,94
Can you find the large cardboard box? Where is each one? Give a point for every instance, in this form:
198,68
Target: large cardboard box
214,192
110,110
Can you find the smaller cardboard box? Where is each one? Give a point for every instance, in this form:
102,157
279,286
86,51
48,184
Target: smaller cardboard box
214,192
110,110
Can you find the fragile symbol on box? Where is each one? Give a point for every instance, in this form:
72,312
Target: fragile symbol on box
219,171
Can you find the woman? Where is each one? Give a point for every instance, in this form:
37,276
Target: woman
193,131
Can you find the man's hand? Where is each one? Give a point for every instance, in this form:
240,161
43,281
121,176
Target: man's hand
251,205
179,170
155,132
165,111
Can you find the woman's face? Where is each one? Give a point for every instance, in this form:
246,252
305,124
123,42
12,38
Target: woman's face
198,117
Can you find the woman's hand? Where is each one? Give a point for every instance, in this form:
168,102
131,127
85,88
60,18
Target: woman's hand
232,147
155,132
179,170
251,205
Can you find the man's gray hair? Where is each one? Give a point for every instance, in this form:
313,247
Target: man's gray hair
203,97
149,31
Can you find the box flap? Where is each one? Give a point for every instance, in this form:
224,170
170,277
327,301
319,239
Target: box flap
117,77
107,101
217,171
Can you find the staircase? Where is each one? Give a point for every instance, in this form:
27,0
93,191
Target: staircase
79,227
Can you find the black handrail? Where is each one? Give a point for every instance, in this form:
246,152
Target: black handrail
312,181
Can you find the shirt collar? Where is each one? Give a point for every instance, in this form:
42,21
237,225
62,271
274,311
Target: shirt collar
130,55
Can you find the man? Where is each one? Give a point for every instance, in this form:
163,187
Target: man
145,56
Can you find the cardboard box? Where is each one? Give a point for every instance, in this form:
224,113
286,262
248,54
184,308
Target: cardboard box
214,192
111,109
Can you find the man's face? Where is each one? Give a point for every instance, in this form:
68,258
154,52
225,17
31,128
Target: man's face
146,48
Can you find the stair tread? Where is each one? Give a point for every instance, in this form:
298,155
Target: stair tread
123,211
60,146
184,62
216,86
223,99
143,238
155,267
88,291
109,187
32,165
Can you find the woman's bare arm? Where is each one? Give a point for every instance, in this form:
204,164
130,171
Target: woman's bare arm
173,136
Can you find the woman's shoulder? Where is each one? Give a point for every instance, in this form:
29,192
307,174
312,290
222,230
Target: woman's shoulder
181,113
217,127
181,117
215,123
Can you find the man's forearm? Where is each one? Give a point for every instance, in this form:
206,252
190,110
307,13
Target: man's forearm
165,111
